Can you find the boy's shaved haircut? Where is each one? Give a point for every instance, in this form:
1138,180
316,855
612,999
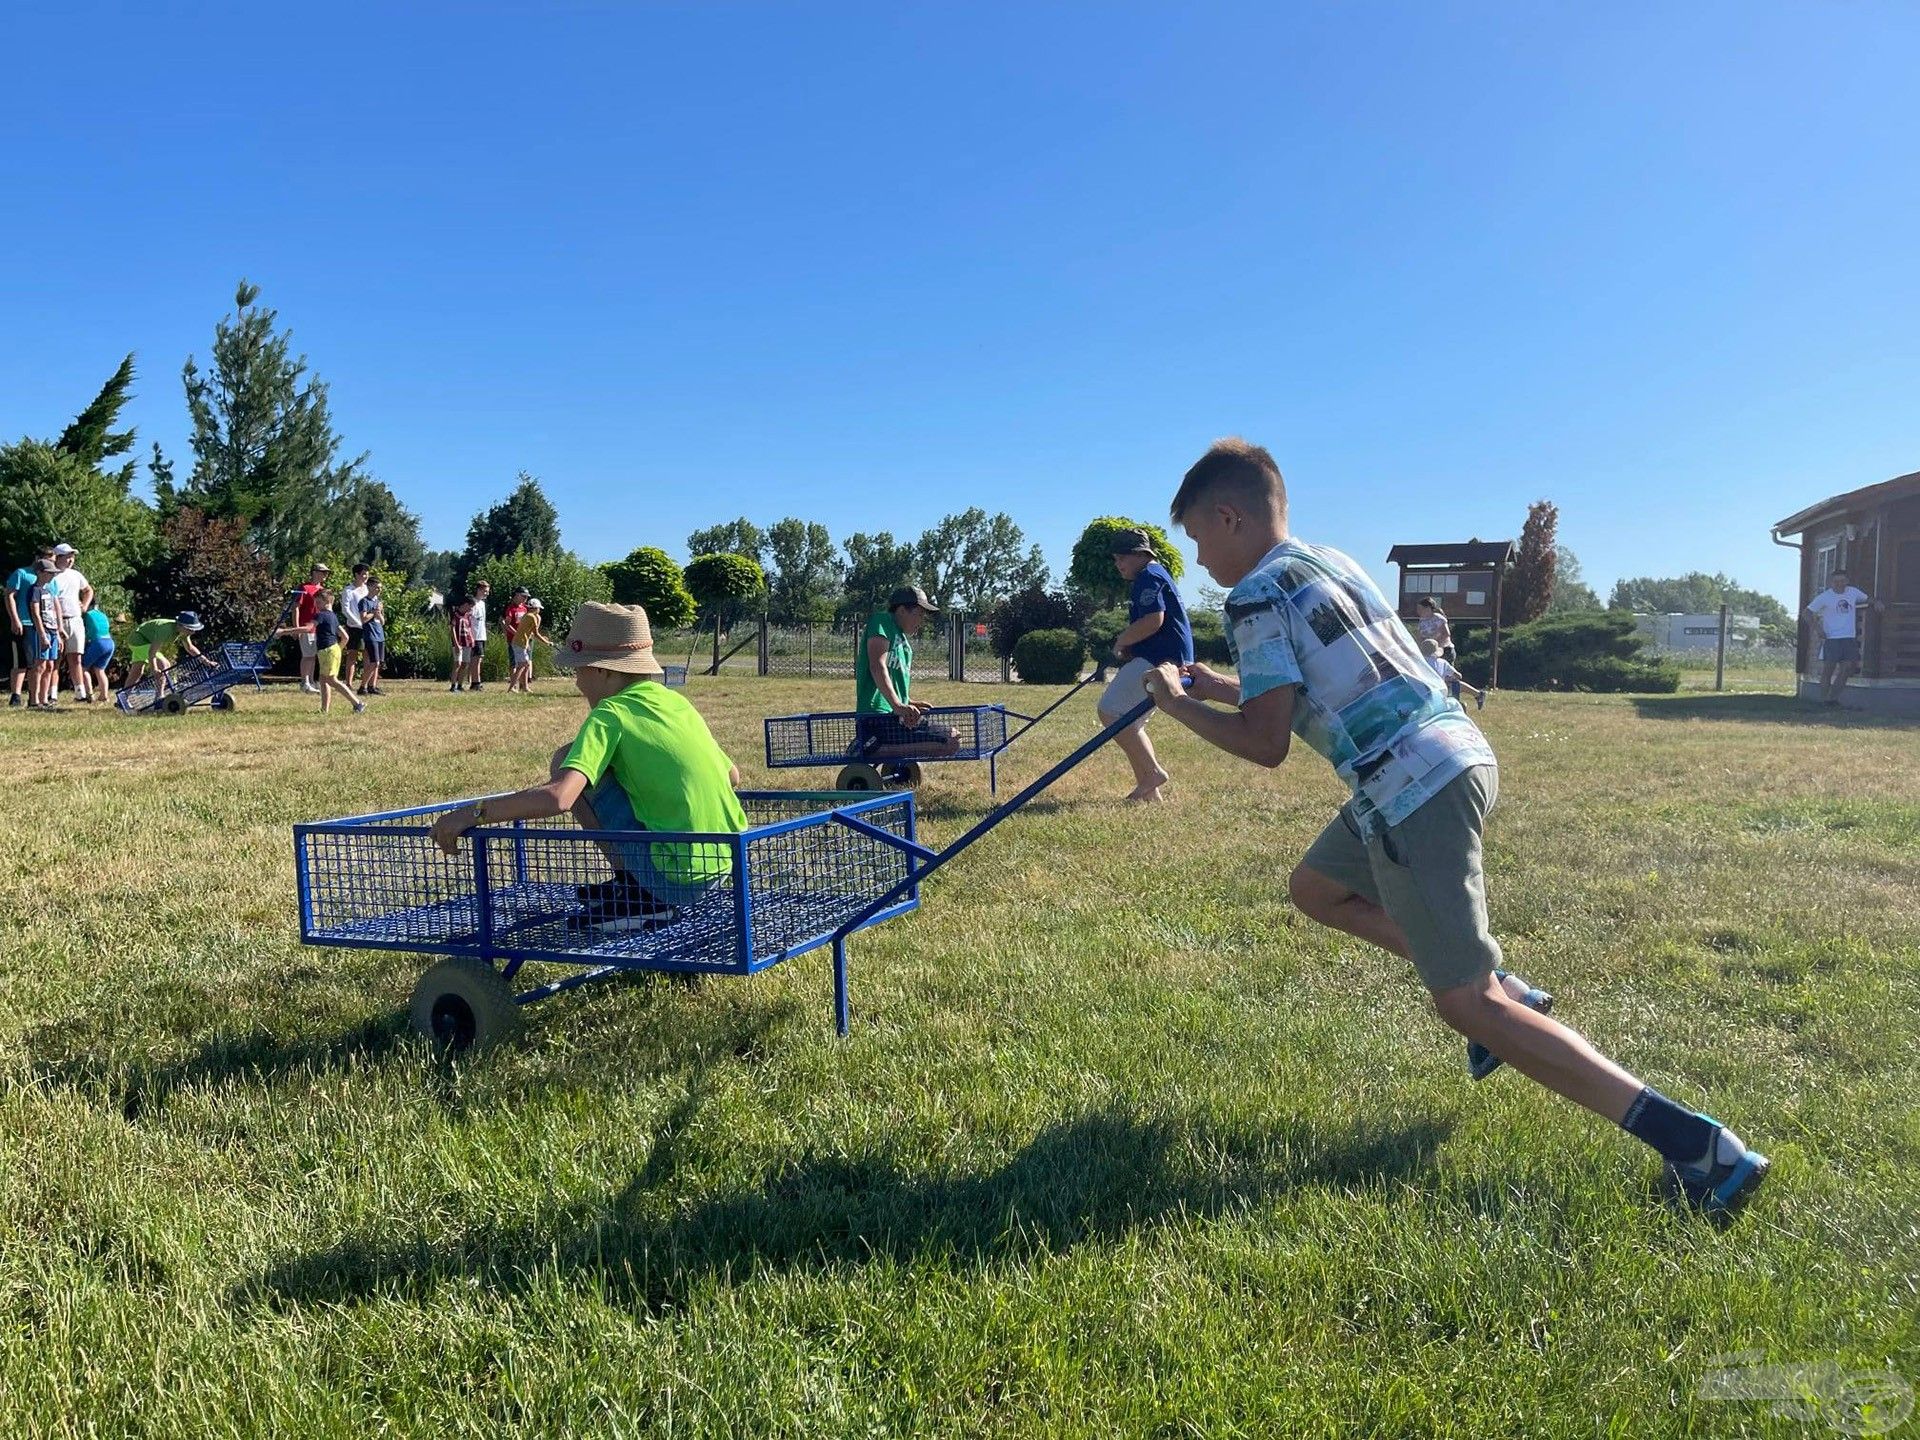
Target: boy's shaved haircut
1234,469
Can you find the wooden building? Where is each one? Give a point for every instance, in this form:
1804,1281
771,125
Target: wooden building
1463,580
1874,535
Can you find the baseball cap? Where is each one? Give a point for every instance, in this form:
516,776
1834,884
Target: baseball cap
535,604
911,595
1131,542
64,549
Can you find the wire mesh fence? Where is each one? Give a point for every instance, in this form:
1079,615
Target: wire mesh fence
948,647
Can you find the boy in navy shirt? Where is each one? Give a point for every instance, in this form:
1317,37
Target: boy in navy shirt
1157,633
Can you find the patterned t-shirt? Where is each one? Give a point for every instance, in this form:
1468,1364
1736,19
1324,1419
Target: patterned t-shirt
1368,701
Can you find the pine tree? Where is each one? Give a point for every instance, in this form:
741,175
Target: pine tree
264,447
91,438
524,521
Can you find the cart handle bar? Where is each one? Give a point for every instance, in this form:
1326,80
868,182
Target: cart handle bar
1033,720
992,818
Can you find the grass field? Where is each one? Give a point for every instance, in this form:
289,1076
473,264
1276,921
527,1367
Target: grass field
1119,1144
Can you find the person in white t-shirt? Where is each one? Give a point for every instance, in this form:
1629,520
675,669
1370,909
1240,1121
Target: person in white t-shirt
481,589
353,601
74,593
1837,611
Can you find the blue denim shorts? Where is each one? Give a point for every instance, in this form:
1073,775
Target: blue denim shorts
615,812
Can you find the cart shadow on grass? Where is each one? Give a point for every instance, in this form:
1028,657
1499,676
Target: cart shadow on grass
1088,1180
140,1087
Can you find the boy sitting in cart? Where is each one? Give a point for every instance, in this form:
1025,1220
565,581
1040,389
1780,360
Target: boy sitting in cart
644,760
890,726
153,642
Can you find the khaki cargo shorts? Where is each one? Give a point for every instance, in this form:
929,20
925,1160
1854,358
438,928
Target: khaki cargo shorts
1425,873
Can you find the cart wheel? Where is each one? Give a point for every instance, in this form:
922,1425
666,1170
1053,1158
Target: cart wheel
464,1006
173,705
222,701
859,777
904,775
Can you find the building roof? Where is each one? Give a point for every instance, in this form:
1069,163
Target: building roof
1894,489
1470,552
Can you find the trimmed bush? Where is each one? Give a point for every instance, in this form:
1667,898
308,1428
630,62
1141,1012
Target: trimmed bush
726,585
1595,651
1032,609
649,578
1049,657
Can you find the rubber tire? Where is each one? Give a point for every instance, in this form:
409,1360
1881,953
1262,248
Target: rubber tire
860,777
222,701
903,775
464,1006
172,705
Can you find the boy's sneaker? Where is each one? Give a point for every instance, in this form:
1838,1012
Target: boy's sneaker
1720,1185
619,905
359,707
14,702
1482,1062
1480,701
476,684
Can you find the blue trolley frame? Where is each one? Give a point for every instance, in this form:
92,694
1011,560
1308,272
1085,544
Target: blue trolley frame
831,737
379,882
207,676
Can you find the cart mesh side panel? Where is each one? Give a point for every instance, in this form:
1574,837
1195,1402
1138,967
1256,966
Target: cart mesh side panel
838,738
185,677
554,894
805,882
384,882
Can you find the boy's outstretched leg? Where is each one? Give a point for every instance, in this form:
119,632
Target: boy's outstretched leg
1148,774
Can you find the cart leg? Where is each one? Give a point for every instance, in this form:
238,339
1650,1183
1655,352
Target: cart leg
993,774
840,988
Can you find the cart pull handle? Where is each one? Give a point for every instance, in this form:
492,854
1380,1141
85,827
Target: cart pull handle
992,818
1033,720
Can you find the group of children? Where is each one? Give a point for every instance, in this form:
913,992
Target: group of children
1320,656
522,621
45,635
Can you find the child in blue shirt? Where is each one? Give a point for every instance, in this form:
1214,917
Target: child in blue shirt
1157,633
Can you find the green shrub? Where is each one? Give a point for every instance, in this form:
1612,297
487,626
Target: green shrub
1101,629
1593,651
649,578
1049,657
1034,608
560,582
726,585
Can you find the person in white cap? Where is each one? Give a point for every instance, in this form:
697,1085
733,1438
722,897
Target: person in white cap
74,593
644,760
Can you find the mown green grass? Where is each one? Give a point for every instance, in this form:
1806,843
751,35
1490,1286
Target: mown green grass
1119,1144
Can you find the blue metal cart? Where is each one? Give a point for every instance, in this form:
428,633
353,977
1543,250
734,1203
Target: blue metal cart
859,743
211,676
511,896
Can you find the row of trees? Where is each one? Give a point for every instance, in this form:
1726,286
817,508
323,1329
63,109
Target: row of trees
271,487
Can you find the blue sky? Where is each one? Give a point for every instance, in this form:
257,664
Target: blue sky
868,264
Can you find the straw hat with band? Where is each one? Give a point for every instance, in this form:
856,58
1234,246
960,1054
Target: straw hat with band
609,637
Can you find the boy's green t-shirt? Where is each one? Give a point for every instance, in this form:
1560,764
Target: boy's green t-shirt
867,698
160,635
673,772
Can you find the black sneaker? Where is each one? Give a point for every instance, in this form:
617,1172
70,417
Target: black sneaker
1720,1186
14,702
619,905
476,685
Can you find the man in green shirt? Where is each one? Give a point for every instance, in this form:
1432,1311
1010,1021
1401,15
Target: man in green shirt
890,725
644,760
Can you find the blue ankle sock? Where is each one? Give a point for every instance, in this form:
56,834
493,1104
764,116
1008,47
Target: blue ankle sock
1679,1134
